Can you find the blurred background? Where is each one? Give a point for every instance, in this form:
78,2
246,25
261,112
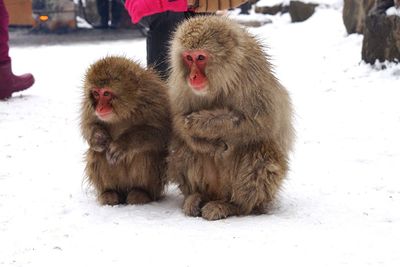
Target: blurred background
55,21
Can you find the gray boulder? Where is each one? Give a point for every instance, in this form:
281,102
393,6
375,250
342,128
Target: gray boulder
272,10
300,11
381,38
354,14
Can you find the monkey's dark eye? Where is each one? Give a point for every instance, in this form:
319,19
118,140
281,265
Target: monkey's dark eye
95,94
201,57
189,58
106,94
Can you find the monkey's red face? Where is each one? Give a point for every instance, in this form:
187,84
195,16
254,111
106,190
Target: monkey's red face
196,61
102,98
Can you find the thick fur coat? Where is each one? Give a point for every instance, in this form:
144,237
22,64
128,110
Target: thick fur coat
230,149
126,160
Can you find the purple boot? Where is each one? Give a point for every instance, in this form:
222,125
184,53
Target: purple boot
10,83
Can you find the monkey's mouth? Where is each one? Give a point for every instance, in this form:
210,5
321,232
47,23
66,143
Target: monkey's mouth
198,87
105,116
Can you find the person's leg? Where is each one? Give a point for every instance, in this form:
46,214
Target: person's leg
103,10
245,8
9,83
116,11
161,27
4,58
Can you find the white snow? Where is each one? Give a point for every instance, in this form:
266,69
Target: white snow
393,11
339,207
251,17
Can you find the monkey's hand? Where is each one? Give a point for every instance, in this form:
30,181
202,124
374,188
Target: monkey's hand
116,152
99,140
211,123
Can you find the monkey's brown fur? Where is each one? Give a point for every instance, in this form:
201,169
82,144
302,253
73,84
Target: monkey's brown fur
126,160
229,154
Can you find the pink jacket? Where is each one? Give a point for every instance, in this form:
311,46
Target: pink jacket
138,9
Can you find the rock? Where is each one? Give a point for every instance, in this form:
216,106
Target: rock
354,13
300,11
381,38
272,10
383,5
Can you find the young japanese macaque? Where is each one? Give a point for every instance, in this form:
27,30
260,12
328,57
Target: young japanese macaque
126,121
232,120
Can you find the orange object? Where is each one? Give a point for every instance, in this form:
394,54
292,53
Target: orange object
43,18
20,12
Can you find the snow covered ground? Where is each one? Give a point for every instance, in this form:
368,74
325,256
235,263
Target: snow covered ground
340,205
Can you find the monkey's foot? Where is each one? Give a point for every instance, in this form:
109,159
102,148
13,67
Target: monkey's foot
191,205
216,210
260,209
109,198
137,196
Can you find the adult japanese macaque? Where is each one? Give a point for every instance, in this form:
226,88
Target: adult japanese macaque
126,121
232,120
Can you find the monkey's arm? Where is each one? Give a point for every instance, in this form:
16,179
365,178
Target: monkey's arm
96,136
136,140
207,123
223,124
195,142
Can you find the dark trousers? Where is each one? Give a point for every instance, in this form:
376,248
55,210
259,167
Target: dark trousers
161,27
103,8
245,8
